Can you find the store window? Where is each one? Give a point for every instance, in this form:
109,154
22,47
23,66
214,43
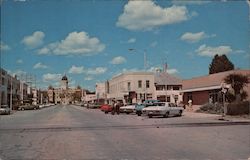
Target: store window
147,84
139,84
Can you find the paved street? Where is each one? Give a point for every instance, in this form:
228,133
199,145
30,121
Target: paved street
72,132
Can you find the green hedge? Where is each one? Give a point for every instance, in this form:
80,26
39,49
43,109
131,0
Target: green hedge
238,108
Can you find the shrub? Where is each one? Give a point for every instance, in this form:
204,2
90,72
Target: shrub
216,108
238,108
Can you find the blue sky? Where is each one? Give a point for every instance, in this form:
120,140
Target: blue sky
89,41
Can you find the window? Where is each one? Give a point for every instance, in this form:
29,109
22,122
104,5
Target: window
147,83
176,88
2,81
168,98
139,84
169,87
189,96
129,86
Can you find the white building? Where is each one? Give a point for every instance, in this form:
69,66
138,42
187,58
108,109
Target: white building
168,88
90,97
135,87
132,87
100,93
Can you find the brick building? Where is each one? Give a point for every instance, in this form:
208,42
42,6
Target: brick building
201,89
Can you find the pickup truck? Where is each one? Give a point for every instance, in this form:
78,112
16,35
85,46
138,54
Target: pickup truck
162,109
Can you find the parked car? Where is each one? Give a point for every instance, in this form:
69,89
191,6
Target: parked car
94,106
128,109
5,109
84,105
139,107
106,108
28,107
162,109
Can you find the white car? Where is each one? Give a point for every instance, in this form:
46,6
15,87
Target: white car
128,109
162,109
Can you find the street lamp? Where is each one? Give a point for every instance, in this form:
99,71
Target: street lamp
11,92
145,68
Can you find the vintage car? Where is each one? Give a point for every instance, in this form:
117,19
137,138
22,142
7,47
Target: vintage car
5,109
94,106
130,108
139,107
106,108
28,107
162,109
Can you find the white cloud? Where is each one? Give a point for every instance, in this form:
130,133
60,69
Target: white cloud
96,71
76,43
81,70
153,44
72,83
204,50
132,40
35,40
190,2
146,15
172,71
39,65
195,37
118,60
18,72
19,61
4,47
240,51
51,77
88,78
76,70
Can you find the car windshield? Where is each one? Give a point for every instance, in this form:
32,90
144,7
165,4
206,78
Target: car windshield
172,105
4,106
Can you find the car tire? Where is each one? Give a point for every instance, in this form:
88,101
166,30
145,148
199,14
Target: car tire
22,109
106,112
149,116
180,113
166,115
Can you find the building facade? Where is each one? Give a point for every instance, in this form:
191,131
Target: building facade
13,91
63,94
168,88
207,89
133,87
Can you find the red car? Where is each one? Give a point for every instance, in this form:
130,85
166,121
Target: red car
106,108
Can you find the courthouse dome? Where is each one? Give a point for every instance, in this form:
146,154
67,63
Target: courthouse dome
64,78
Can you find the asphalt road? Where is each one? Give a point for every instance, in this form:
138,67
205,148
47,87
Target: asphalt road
72,132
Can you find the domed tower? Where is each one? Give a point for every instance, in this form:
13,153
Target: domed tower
64,82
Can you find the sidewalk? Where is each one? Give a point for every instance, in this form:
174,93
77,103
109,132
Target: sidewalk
191,113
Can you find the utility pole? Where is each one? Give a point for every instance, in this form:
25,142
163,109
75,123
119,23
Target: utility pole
11,86
144,57
145,60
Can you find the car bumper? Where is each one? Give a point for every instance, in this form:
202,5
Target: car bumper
127,110
153,113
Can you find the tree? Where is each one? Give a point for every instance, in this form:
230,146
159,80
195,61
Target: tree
78,87
77,95
50,87
220,64
237,82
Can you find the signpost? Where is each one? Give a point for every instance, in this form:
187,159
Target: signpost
224,88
